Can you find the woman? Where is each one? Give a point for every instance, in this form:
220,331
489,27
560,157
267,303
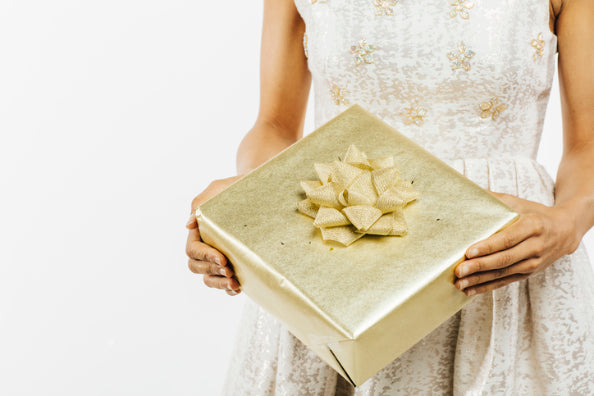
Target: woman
469,81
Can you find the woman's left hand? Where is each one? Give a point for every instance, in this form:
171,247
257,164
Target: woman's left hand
540,235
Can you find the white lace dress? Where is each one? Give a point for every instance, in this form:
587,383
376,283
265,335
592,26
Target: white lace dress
470,81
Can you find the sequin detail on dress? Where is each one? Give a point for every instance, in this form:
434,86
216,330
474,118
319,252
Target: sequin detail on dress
460,7
538,44
363,52
460,58
414,114
492,108
338,95
384,7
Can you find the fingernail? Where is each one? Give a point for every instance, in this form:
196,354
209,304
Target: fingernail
463,283
472,252
462,271
233,292
217,260
471,292
223,271
190,220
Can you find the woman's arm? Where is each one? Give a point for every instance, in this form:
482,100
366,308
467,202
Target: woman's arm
543,234
285,82
575,176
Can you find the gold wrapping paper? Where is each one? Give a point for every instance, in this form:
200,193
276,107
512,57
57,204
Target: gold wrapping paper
361,306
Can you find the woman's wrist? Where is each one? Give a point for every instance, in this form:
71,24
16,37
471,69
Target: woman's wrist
569,216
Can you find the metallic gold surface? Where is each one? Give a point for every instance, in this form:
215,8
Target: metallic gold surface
358,307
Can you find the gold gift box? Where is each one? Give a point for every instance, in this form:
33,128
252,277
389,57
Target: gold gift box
359,306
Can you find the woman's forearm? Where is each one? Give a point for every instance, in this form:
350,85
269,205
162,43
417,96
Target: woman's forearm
261,143
574,190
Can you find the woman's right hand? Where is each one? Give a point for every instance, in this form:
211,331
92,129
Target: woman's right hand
203,258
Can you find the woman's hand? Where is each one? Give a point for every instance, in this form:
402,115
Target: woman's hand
540,235
204,259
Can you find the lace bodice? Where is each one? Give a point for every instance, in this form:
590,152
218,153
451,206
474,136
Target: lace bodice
461,78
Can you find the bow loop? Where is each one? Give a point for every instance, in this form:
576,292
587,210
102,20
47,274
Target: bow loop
357,196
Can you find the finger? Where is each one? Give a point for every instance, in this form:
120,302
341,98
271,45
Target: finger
233,292
206,267
499,195
527,266
226,271
199,250
218,282
529,248
234,283
221,282
517,232
489,286
510,200
192,222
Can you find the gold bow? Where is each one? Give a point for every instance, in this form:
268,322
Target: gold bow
357,196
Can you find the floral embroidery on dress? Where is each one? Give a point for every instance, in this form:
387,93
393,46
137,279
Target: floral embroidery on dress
363,52
460,58
384,7
538,43
492,108
305,45
460,7
415,113
338,95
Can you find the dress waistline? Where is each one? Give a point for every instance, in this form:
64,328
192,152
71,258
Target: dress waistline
523,177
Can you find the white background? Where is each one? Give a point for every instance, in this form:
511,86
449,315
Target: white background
113,115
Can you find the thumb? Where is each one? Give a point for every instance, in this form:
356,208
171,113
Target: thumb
510,200
192,223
